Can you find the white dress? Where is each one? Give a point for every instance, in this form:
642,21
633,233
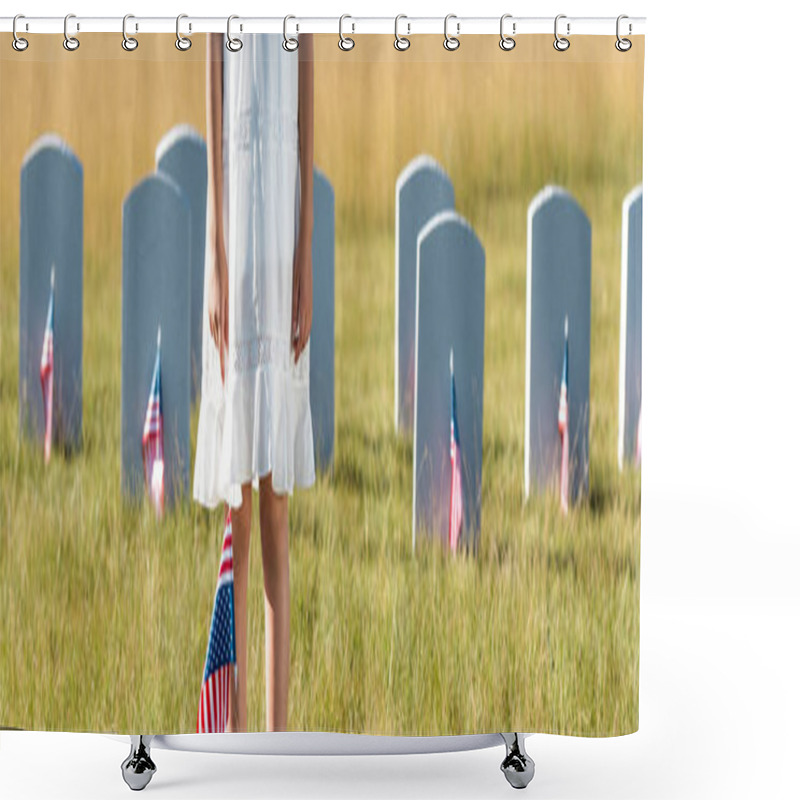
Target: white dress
259,420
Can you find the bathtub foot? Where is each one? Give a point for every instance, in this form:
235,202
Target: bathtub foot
517,766
138,768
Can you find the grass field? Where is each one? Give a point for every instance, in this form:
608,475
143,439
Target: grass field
104,614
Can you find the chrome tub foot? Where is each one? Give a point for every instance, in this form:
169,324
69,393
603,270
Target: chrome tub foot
138,768
517,766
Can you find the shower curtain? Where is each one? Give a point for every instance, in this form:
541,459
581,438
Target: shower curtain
416,380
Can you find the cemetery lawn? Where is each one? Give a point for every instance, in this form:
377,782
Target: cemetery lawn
104,612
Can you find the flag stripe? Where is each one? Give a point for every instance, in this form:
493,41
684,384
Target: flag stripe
153,440
456,515
563,429
46,377
221,653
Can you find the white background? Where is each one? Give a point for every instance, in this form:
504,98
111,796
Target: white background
719,602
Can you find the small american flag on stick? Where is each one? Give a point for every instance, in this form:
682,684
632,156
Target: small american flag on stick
46,370
456,493
212,713
563,422
153,438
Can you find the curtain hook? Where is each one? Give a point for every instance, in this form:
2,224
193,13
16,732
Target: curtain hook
401,42
290,43
70,42
345,42
561,44
128,42
451,42
507,42
623,45
233,44
182,42
18,43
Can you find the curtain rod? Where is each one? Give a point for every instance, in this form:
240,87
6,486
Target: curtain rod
406,26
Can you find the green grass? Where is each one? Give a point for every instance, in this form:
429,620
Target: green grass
104,612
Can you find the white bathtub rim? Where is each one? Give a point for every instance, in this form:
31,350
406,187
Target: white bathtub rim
306,743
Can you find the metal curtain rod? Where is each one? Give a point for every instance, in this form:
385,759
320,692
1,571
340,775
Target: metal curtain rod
567,26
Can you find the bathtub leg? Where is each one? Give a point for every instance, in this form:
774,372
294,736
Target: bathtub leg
517,766
138,768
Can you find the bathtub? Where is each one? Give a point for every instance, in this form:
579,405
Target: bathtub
139,767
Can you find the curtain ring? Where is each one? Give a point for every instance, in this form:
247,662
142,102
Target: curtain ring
401,42
18,43
70,42
623,45
451,42
182,42
561,44
290,43
233,44
345,42
128,42
507,42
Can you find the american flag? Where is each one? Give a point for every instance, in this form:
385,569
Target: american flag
46,371
212,713
456,493
563,422
153,438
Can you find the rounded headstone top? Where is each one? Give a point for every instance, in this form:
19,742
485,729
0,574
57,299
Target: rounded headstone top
552,193
160,182
173,135
632,196
53,142
443,218
416,164
321,176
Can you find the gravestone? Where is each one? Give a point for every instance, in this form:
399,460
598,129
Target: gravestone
423,190
156,228
51,241
559,286
451,282
321,357
181,155
630,327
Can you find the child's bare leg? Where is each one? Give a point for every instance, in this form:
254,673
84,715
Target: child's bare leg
274,518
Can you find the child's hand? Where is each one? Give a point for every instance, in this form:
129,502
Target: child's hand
218,304
302,298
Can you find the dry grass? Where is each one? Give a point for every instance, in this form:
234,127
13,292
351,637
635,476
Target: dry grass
104,614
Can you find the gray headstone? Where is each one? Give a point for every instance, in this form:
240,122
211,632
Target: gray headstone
559,286
321,357
51,239
423,190
630,326
155,272
451,281
181,154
